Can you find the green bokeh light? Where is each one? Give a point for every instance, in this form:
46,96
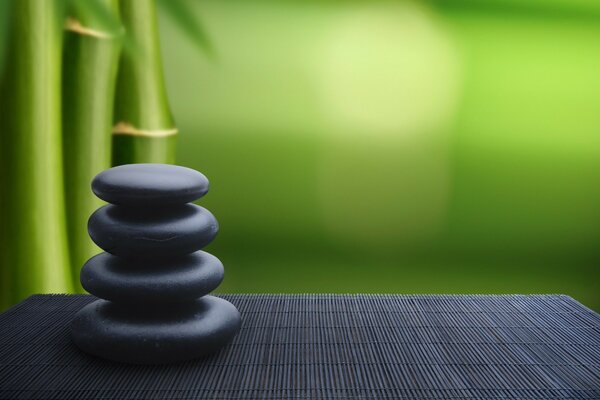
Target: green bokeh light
383,147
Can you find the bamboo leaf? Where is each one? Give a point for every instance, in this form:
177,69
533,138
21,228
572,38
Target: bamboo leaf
183,15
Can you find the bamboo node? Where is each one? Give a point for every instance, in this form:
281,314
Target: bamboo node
73,25
125,128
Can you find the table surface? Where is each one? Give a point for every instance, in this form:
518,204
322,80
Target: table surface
329,347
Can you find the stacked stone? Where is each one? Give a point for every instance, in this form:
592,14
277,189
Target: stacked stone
153,277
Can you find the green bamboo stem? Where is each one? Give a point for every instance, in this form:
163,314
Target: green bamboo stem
144,130
33,244
91,58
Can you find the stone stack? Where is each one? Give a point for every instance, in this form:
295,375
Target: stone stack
153,277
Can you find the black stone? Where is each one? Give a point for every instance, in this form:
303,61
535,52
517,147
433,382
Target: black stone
126,281
150,185
149,233
155,335
153,277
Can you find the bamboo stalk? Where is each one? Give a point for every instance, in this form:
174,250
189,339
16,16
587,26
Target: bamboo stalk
144,130
34,237
89,76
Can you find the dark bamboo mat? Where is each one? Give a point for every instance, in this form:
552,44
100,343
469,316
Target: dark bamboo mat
329,347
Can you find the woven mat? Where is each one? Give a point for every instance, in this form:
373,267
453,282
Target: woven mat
329,347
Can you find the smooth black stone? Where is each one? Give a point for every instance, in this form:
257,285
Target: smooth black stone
149,185
178,279
155,335
149,233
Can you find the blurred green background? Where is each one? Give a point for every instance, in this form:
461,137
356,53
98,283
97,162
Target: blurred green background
411,147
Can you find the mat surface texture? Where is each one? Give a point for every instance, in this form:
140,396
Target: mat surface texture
329,347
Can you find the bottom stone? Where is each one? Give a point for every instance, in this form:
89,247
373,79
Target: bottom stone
155,335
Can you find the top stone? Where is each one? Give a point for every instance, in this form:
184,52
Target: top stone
149,185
